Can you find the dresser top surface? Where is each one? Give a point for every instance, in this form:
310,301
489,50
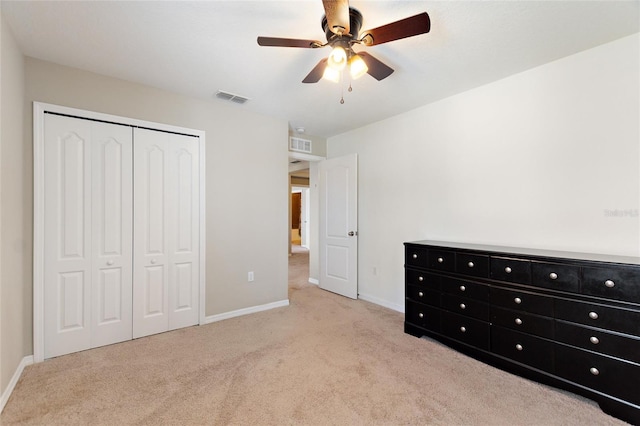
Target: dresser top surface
503,250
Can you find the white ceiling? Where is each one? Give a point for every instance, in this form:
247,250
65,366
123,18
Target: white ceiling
197,48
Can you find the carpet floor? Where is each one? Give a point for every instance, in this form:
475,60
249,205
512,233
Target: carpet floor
323,360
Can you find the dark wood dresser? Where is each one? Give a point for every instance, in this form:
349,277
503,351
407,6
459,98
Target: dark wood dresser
570,320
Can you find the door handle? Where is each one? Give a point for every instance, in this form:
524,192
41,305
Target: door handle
351,233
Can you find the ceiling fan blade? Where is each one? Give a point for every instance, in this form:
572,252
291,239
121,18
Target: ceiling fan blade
337,13
377,69
316,73
288,42
408,27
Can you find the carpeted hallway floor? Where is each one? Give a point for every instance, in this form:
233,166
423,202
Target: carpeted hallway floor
324,360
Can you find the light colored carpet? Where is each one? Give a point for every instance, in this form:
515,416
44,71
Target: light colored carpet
324,360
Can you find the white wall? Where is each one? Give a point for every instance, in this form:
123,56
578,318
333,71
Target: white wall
534,160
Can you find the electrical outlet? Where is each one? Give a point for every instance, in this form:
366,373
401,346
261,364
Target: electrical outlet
250,276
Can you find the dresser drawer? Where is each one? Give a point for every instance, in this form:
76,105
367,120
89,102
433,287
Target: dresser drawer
556,276
465,306
423,295
523,322
597,340
442,260
423,279
415,256
422,315
472,264
523,348
521,301
468,330
608,375
612,283
511,270
600,316
465,288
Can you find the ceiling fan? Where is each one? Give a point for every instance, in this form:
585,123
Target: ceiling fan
341,24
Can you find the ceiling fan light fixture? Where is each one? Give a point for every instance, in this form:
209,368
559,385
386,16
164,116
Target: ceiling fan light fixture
331,74
357,66
337,58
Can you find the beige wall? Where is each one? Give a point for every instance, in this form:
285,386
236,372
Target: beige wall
238,205
15,214
533,160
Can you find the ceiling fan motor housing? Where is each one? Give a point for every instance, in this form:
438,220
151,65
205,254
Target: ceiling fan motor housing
355,23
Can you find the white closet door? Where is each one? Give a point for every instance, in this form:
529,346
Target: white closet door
112,216
166,232
184,241
86,297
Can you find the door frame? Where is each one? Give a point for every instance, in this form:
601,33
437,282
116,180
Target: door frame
39,111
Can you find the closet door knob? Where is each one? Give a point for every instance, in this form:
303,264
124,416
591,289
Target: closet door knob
109,262
153,261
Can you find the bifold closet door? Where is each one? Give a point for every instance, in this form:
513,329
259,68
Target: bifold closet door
166,232
87,237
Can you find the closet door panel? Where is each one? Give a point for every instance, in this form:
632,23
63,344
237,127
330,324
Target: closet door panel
112,218
67,237
184,230
150,261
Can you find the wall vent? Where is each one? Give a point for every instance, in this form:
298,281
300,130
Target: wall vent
300,145
231,97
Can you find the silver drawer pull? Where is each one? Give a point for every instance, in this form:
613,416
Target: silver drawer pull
518,321
420,278
594,340
507,270
415,256
463,329
463,306
421,315
517,300
594,371
609,283
470,264
593,315
420,294
519,347
553,276
440,260
463,288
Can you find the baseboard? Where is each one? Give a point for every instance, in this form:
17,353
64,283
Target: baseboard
27,360
381,302
314,281
245,311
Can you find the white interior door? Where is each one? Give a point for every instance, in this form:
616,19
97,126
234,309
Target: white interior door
338,182
112,220
87,229
166,232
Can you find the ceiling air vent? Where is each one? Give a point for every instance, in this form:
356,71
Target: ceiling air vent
300,145
231,97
